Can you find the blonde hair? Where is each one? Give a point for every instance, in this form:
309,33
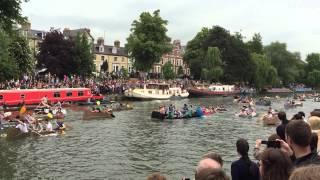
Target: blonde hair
314,122
306,172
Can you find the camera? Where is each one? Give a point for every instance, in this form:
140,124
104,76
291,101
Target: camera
272,144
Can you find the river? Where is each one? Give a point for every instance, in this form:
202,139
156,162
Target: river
132,145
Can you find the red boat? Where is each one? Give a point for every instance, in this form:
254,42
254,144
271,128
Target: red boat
33,96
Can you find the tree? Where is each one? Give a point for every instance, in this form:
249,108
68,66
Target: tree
284,61
10,14
180,71
148,40
124,72
214,63
314,78
20,52
167,71
313,61
57,54
8,68
265,73
84,55
234,54
255,45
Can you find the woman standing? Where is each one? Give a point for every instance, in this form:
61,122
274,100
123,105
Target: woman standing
244,168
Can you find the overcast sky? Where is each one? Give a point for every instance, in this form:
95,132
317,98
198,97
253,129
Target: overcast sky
295,22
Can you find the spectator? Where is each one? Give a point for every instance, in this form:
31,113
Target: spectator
275,165
298,136
281,128
306,173
211,174
314,142
156,176
244,168
257,149
214,156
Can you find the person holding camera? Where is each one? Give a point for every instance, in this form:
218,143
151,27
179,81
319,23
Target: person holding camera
297,145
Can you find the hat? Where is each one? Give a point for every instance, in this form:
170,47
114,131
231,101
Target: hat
50,115
7,114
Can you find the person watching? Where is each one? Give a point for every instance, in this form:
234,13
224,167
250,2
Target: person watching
282,127
298,139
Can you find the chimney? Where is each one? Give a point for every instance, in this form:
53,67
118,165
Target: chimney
117,44
100,41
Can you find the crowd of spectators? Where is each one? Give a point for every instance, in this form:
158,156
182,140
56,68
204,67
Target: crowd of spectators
104,86
291,153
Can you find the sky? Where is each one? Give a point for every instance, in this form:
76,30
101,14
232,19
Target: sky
295,22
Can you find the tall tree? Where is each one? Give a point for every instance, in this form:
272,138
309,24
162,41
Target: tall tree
313,61
8,68
20,52
255,44
10,14
58,54
234,53
167,71
84,55
314,78
265,73
284,61
148,40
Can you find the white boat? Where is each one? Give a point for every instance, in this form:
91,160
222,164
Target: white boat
156,91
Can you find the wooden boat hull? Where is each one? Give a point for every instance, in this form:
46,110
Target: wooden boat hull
13,133
274,120
97,115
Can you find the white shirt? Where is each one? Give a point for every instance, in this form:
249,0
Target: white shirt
49,127
23,127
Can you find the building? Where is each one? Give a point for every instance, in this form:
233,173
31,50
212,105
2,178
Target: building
34,37
115,56
68,33
176,59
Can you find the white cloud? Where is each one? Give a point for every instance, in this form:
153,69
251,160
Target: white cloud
290,21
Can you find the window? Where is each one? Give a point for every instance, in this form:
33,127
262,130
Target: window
56,94
80,93
122,59
69,93
22,96
102,58
1,97
115,59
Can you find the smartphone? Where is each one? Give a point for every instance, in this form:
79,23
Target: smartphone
272,144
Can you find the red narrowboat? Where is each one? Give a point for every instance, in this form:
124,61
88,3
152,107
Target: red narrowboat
33,96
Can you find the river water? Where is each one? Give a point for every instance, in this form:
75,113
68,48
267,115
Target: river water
132,145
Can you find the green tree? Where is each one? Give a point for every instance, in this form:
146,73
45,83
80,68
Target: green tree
20,52
180,71
284,61
214,63
314,78
58,55
8,68
124,72
84,58
234,54
265,73
167,71
255,44
10,14
148,40
313,61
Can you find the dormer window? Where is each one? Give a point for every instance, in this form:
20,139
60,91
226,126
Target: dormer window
114,50
101,48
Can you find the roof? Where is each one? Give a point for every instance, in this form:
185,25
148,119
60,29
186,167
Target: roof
74,32
121,51
34,90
